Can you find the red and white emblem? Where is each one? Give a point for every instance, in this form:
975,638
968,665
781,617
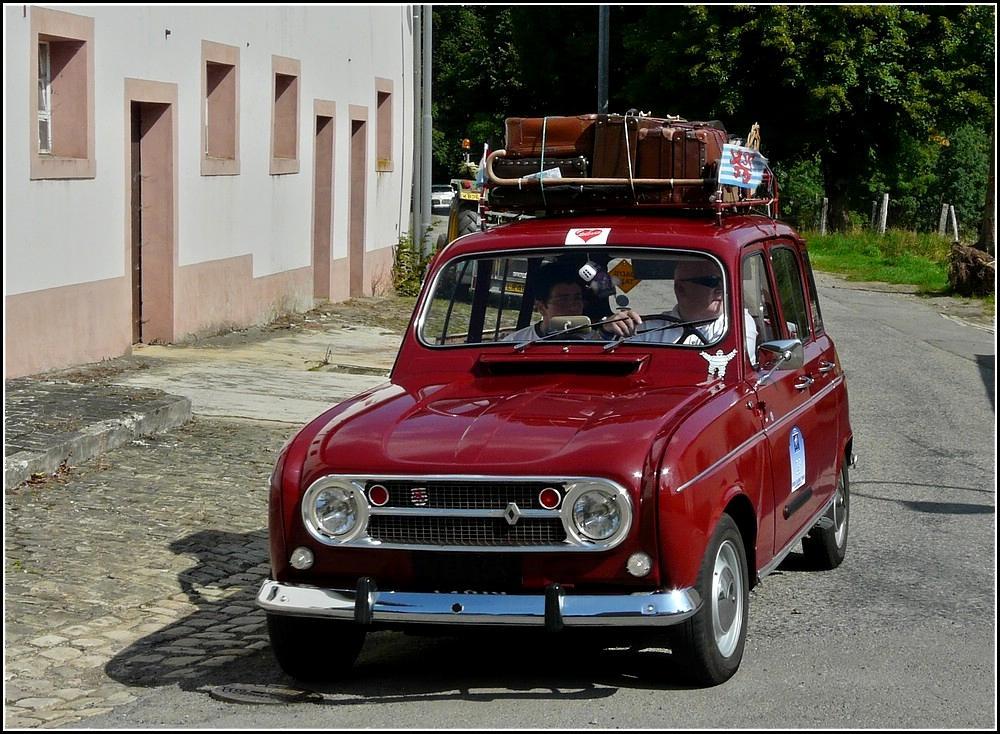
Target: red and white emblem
587,236
418,497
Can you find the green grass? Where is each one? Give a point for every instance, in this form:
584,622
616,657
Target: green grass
898,256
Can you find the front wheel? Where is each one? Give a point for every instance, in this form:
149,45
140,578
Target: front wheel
826,544
710,644
314,650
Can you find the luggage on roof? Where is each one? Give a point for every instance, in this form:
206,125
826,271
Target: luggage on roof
613,161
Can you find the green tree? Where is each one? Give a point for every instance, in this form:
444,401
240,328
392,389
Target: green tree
865,88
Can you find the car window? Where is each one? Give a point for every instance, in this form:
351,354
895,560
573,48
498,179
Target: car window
758,300
495,297
790,292
813,297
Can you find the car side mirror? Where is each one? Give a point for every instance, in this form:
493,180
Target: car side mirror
783,354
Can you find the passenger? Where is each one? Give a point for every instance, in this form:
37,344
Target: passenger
559,292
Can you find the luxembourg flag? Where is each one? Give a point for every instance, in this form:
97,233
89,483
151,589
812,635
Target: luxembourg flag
743,167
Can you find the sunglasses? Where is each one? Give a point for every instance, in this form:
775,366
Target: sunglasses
709,281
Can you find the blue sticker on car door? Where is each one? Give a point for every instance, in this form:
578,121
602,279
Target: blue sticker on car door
797,454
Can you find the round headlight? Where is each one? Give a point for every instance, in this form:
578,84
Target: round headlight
335,510
597,515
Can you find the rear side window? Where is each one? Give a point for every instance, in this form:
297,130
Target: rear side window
790,292
814,297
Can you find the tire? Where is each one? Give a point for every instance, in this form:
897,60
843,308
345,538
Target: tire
825,547
709,645
468,221
314,650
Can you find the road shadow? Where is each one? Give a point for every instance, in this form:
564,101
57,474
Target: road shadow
987,364
225,644
933,508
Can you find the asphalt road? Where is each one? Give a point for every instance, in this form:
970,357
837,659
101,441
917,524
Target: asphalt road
903,634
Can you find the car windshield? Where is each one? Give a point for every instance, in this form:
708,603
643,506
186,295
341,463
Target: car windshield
440,189
557,296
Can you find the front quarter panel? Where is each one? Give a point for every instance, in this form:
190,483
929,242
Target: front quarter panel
716,457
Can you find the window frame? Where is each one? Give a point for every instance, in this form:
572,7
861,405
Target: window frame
551,251
285,67
70,155
219,54
797,261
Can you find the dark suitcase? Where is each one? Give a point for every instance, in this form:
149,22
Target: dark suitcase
577,167
682,151
615,144
564,136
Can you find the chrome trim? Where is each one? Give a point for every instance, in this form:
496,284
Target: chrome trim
780,556
827,366
762,434
555,249
657,608
756,438
574,486
444,512
804,382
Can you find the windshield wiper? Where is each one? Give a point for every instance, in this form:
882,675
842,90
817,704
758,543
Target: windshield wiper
521,346
675,323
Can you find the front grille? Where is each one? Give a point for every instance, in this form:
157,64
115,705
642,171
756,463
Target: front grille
463,531
465,495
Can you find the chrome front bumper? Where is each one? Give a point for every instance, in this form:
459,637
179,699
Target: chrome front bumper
553,609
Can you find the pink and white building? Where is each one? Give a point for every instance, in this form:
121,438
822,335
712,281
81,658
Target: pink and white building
176,171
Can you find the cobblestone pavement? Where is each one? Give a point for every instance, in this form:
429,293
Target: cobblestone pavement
137,568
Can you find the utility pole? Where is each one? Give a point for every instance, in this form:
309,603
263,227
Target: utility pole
425,204
416,210
602,59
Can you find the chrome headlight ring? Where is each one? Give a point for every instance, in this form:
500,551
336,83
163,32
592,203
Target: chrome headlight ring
335,510
608,498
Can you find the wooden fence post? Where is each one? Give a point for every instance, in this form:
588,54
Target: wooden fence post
954,221
883,214
943,221
822,216
874,220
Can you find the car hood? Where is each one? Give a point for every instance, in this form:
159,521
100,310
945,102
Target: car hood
537,426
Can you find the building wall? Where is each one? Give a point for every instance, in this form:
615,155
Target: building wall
240,245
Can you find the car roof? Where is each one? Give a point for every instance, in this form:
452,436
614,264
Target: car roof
643,230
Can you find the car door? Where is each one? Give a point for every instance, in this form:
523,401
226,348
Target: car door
787,402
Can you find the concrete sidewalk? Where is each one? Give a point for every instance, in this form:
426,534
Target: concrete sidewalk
287,375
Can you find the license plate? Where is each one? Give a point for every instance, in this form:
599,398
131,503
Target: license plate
469,195
515,288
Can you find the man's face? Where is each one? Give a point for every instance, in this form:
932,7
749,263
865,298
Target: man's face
698,287
566,299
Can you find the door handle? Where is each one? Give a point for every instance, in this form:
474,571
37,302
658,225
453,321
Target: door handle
826,366
804,382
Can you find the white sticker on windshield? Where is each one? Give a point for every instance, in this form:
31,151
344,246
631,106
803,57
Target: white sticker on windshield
587,236
797,454
717,363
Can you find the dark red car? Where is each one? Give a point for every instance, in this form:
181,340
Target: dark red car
561,475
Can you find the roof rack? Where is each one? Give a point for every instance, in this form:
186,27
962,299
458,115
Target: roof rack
558,194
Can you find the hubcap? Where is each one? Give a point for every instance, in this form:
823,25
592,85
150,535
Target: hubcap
727,599
840,514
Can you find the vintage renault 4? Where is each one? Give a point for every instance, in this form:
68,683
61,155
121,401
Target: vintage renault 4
562,472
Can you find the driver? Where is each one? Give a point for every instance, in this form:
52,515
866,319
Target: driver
559,292
698,287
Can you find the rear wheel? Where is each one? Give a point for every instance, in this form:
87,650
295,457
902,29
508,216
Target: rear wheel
468,221
710,644
826,544
314,650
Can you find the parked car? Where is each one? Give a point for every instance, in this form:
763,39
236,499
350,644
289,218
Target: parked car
637,485
441,196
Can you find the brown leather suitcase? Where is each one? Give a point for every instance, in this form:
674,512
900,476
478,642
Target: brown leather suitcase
577,167
564,136
681,151
613,136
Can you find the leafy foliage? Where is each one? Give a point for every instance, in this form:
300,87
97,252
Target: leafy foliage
408,267
872,96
